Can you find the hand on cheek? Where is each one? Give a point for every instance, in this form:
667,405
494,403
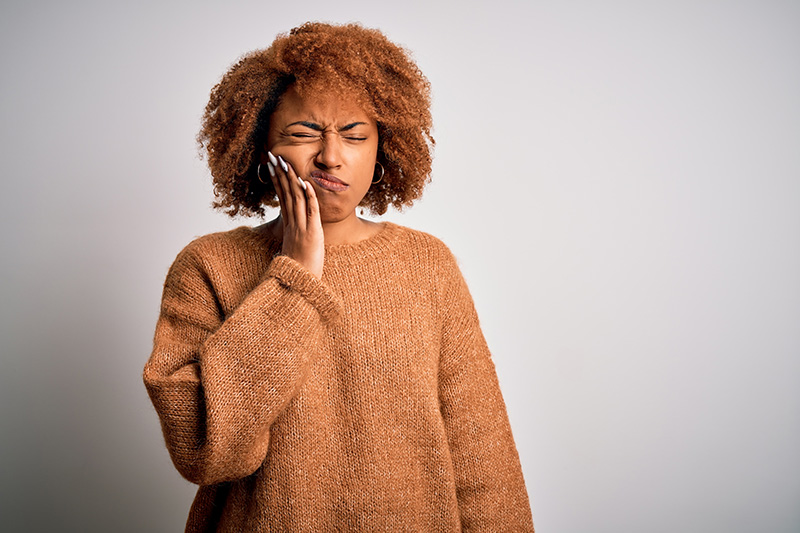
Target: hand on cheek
303,239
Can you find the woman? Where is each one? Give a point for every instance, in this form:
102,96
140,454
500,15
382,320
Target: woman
322,372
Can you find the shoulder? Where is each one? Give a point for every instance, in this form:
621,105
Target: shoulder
221,251
218,265
219,245
437,264
422,244
221,242
425,254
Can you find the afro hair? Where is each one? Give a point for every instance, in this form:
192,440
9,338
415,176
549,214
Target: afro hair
343,60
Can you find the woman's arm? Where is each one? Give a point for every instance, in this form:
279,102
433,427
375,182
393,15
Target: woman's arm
219,382
489,485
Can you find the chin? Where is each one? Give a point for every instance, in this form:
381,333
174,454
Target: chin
329,214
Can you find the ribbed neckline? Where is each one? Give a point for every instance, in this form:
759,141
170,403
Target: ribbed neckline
370,246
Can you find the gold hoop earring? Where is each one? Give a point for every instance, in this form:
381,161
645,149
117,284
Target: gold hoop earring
258,173
382,173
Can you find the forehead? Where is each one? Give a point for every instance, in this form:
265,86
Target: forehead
320,107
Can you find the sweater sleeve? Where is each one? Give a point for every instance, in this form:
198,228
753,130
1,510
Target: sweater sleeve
218,382
489,485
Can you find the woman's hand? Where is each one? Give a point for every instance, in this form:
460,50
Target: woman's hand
303,239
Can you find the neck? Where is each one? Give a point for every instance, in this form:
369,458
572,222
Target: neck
347,231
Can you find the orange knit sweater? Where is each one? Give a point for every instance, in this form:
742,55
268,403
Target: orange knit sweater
365,401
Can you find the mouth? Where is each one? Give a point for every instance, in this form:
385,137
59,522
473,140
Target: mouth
328,181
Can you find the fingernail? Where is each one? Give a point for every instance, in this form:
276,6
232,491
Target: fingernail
302,183
272,159
284,166
271,168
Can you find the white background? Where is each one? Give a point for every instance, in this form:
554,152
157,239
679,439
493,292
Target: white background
619,180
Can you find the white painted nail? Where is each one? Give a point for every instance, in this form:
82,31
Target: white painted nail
283,164
302,183
272,159
271,168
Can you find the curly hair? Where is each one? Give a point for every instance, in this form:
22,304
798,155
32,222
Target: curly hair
349,61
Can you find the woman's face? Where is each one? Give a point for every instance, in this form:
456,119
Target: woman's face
331,143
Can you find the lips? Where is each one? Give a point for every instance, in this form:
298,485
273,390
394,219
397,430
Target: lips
328,181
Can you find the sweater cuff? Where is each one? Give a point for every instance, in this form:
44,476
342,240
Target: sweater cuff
295,277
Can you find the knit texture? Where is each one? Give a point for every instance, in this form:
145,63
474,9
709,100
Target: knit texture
364,401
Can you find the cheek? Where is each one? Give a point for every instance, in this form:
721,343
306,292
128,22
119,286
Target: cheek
367,156
366,167
300,156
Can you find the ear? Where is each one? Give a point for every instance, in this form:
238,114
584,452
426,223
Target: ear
262,155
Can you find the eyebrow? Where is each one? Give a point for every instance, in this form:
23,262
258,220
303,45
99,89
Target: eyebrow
316,127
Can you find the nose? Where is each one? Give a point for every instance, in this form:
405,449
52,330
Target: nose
330,151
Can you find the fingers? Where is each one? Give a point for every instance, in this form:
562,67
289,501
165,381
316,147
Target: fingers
313,206
276,183
303,237
296,193
288,209
293,192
